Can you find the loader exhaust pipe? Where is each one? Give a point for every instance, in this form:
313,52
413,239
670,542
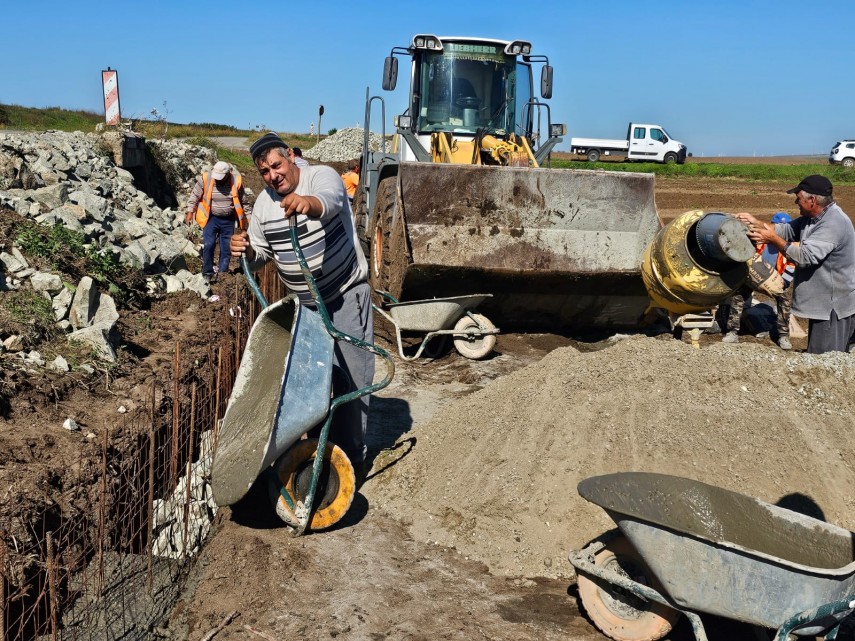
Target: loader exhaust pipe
696,261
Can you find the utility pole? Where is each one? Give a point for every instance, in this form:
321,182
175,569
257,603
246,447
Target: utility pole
320,115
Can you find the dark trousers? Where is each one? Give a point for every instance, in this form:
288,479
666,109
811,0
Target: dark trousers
351,313
832,335
222,228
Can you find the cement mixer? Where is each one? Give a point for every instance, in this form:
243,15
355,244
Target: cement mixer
461,203
694,263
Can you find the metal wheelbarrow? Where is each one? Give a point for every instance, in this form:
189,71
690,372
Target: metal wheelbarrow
688,547
282,390
474,334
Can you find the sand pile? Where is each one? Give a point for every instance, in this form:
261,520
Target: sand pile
495,473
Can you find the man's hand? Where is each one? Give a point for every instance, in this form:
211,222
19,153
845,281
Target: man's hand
294,204
239,243
758,231
188,218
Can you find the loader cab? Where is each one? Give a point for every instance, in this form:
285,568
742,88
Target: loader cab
470,87
464,87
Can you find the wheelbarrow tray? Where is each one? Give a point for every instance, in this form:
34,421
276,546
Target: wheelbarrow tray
433,314
281,391
728,554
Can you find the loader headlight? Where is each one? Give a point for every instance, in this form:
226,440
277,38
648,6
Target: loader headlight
427,41
403,122
518,47
556,130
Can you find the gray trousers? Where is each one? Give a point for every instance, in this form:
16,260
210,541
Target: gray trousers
830,335
351,313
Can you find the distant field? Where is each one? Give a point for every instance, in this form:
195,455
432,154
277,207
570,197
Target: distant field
763,160
725,160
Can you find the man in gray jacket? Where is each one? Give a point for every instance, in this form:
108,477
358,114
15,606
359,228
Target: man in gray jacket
821,242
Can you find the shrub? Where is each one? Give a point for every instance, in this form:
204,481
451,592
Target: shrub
332,131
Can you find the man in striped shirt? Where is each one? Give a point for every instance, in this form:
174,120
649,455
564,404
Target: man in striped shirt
316,196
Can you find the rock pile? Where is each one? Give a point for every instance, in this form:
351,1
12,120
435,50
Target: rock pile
344,145
71,179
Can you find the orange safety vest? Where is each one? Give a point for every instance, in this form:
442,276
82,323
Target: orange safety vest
203,211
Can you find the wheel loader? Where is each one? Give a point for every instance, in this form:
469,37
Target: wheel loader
461,201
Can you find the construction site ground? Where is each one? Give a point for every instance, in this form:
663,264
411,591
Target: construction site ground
463,526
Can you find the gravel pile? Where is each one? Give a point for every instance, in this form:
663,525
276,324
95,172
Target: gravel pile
494,474
344,145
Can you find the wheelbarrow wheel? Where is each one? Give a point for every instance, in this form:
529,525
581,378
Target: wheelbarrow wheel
617,613
293,474
472,346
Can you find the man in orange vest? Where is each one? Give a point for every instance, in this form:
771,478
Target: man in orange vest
351,178
218,201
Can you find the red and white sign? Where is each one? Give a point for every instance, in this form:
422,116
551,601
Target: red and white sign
110,80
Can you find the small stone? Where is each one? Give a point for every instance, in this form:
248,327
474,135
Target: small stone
91,436
71,425
123,409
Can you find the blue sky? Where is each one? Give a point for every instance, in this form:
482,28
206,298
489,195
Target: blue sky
725,78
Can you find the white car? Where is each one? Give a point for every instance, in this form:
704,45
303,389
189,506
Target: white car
843,153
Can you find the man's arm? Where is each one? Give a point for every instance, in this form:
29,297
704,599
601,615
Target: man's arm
193,202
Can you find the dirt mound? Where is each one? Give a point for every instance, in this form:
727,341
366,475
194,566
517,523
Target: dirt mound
495,473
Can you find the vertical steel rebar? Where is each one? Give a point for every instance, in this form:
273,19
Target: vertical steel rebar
51,570
102,514
216,425
189,467
151,470
3,603
176,375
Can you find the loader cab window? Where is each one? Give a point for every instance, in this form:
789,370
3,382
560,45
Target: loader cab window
465,87
523,117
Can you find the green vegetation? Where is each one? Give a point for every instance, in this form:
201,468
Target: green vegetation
768,172
32,119
64,248
28,313
35,119
28,305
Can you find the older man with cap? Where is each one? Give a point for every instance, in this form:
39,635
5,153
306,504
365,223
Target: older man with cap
316,196
218,201
821,243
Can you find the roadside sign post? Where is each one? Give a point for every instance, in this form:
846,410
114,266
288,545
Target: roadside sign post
110,84
320,114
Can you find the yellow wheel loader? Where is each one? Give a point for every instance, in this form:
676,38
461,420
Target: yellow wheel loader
461,202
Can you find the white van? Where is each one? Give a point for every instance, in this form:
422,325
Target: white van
643,142
843,153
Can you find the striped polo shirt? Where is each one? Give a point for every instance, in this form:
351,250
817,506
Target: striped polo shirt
329,243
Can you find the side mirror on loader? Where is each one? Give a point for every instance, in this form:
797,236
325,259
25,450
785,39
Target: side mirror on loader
545,82
390,73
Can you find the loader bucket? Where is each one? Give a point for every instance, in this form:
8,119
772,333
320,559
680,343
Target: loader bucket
556,247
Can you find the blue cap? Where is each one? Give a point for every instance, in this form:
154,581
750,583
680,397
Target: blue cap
781,217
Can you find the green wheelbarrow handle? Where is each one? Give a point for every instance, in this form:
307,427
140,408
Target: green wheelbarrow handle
337,335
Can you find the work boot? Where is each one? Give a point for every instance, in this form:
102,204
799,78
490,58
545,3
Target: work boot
730,337
784,342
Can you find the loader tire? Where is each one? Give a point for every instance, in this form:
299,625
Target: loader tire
293,473
360,219
388,256
618,614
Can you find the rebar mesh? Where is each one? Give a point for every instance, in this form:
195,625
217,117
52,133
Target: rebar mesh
108,562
